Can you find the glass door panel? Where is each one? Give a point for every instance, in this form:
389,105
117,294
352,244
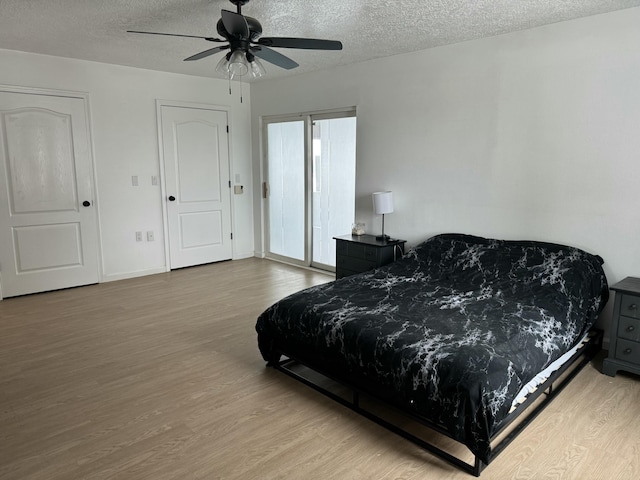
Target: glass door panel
334,180
286,180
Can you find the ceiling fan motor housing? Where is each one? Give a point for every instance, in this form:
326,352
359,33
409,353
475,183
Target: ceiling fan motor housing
255,30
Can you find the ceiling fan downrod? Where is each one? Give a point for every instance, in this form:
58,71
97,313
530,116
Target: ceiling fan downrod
239,4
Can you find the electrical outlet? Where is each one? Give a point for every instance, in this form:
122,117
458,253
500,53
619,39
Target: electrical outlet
138,236
134,181
150,236
154,180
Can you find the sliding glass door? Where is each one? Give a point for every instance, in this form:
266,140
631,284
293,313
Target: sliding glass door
309,186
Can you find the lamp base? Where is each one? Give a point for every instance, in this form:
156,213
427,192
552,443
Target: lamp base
383,238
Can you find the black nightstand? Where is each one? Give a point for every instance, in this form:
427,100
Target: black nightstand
359,253
624,337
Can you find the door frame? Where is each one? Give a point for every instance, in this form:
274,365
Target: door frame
307,118
85,97
163,186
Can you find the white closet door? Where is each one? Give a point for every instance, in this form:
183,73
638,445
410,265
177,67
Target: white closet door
196,166
48,234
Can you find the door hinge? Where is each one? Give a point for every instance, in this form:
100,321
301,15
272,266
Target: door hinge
265,189
229,183
231,235
227,128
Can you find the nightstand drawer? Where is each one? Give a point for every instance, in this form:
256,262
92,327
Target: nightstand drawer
371,253
630,306
628,351
355,264
357,250
343,272
629,328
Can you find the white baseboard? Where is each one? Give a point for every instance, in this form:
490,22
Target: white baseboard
242,256
139,273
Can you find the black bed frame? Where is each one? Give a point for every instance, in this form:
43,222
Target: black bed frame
550,388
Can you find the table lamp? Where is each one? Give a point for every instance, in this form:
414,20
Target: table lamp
382,203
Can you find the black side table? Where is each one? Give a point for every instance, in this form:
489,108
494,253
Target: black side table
624,337
359,253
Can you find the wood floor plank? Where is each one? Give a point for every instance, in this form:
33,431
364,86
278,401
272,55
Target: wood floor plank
160,378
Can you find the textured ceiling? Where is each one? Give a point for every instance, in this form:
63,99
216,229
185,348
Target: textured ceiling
96,29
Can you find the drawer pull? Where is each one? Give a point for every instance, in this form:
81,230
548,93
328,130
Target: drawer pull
630,328
633,306
626,351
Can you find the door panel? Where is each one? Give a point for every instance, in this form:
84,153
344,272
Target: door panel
32,253
334,185
48,239
198,161
200,229
196,157
286,201
40,161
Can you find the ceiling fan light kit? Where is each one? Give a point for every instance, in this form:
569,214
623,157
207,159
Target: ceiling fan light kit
243,37
237,64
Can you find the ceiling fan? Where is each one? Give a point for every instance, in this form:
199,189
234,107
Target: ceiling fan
242,36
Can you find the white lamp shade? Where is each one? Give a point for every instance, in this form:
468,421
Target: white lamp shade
382,202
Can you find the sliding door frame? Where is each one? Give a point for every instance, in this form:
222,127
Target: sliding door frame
308,118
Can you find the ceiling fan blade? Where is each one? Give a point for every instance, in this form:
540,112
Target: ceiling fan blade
274,57
235,24
210,39
304,43
206,53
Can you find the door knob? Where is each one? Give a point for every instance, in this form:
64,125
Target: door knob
172,198
86,203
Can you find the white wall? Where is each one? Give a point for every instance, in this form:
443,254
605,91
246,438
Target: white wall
123,119
530,135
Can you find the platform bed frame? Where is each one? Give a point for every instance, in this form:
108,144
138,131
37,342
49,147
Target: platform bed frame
550,388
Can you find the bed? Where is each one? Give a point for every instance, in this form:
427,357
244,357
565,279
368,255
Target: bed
451,334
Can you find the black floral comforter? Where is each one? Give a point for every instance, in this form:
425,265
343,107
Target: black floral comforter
452,331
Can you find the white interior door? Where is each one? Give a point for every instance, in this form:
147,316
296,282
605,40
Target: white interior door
48,233
196,165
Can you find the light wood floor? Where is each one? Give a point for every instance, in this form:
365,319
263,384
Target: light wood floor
160,378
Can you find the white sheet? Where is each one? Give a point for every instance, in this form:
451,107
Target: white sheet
544,374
